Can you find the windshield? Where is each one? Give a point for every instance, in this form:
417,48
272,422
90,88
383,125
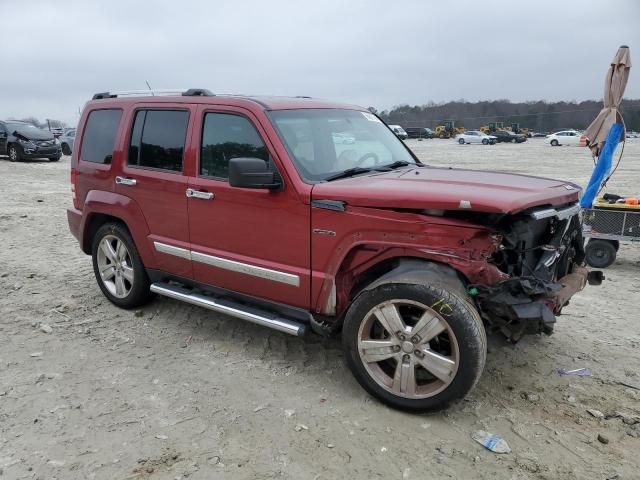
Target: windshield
326,142
20,126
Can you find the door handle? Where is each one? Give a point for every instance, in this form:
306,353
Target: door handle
126,181
191,193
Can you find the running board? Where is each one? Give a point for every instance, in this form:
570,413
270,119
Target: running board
228,307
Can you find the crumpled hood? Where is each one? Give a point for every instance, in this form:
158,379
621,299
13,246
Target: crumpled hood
448,189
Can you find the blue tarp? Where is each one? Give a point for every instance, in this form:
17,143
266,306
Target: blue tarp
603,166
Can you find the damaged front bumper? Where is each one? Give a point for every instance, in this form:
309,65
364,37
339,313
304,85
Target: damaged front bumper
525,305
547,269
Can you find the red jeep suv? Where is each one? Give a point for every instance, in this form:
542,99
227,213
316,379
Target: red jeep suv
300,214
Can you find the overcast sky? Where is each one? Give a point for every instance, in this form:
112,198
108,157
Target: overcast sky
57,53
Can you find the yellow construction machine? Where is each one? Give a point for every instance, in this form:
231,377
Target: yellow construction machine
447,129
493,127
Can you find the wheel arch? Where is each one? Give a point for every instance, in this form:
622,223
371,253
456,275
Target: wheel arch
102,207
396,265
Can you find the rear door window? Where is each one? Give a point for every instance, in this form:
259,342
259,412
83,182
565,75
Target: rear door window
158,138
99,136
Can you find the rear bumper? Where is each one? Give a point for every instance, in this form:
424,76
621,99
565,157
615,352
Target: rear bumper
74,218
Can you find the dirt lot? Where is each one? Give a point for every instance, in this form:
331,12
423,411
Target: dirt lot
174,391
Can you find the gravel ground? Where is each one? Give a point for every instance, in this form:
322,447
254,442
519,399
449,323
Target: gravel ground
174,391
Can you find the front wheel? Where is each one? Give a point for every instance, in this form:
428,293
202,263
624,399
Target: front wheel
118,268
414,347
66,149
14,154
461,141
554,143
485,141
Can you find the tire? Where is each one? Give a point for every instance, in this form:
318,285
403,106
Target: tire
600,253
66,149
54,159
513,140
461,141
485,141
554,143
14,154
459,350
134,289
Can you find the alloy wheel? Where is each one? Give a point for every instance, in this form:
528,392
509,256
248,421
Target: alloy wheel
115,266
408,349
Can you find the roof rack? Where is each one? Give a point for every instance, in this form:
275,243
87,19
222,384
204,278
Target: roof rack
189,92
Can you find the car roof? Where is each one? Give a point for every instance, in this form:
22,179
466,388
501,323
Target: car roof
266,102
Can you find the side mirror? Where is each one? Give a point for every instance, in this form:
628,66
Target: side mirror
252,173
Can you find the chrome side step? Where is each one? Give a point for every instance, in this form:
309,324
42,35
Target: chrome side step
228,307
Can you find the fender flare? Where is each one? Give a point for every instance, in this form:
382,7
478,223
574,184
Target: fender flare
420,272
123,208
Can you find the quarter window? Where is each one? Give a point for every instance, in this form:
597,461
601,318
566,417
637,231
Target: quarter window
226,136
99,136
158,138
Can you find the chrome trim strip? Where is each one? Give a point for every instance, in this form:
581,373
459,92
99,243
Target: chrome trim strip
231,265
277,323
171,250
562,214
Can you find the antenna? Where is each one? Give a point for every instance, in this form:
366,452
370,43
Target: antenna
149,87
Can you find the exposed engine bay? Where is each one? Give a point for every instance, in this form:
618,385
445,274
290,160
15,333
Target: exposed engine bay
542,250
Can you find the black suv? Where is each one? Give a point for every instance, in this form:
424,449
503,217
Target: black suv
419,132
20,140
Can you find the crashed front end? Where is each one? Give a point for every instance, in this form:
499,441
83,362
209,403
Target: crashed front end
542,252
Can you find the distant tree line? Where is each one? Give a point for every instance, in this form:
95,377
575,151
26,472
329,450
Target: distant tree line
540,116
44,125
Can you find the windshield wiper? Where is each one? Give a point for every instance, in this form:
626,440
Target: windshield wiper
394,165
349,172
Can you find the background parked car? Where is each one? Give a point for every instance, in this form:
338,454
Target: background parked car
566,137
20,140
399,131
338,137
506,136
419,132
66,140
475,136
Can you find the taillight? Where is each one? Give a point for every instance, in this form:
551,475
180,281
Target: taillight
74,177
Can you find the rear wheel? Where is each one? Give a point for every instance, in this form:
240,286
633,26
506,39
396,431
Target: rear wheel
554,143
600,253
461,141
66,149
414,347
118,267
14,154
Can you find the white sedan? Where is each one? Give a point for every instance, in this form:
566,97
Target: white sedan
567,137
475,136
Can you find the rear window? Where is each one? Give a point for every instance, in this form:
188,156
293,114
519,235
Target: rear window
158,139
99,136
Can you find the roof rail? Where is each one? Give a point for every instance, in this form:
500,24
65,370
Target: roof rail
189,92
